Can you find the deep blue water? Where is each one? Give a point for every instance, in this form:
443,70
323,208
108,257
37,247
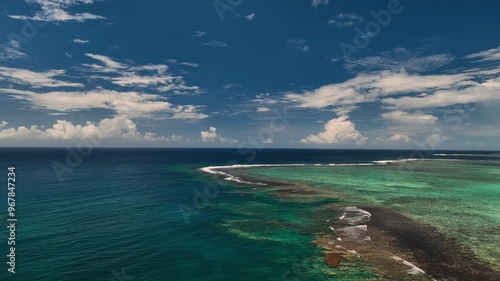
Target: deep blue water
119,209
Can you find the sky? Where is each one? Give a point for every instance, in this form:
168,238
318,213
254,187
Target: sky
391,74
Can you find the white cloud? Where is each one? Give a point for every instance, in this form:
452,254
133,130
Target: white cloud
3,124
370,87
216,44
300,44
412,91
118,127
212,136
268,141
399,137
483,92
346,20
337,131
231,86
184,63
409,118
264,99
110,64
250,17
80,41
436,138
56,10
199,33
263,109
11,51
316,3
144,76
488,55
209,135
133,104
35,79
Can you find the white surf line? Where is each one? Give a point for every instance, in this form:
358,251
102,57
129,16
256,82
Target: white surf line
227,176
215,170
414,270
466,155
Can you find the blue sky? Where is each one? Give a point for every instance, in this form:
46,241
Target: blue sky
239,73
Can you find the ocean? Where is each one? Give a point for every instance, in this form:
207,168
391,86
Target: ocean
152,214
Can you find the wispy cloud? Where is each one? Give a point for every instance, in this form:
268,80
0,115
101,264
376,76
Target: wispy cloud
145,76
488,55
316,3
199,33
399,116
36,79
300,44
400,59
133,104
184,63
346,20
56,10
250,17
216,44
80,41
11,51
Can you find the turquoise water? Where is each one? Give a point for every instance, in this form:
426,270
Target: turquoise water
459,198
117,214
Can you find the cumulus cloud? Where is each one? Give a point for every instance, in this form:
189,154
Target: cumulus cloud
56,11
337,131
118,127
212,136
35,79
3,124
409,118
